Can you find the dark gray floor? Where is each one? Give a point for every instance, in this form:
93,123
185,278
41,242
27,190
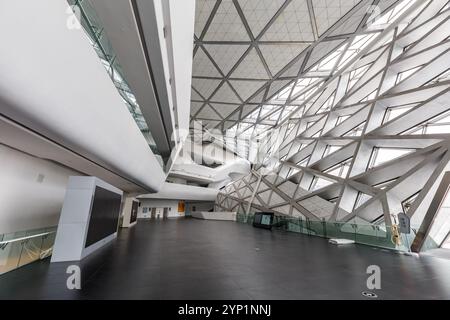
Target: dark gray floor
195,259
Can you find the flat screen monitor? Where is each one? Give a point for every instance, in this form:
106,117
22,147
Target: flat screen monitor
104,215
263,220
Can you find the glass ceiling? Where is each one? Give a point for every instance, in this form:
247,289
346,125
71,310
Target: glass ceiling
296,94
293,99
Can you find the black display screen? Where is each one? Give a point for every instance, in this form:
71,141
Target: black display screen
263,220
134,210
104,215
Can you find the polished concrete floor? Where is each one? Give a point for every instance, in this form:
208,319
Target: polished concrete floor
196,259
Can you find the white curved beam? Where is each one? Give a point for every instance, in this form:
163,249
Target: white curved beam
61,91
177,191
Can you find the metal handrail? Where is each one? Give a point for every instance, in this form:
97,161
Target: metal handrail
306,228
26,237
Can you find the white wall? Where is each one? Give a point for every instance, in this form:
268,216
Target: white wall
64,92
127,206
31,191
182,191
182,18
150,203
199,206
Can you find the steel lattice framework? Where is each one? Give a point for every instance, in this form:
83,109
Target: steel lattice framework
246,51
369,135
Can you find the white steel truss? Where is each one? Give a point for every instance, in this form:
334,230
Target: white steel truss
246,51
369,134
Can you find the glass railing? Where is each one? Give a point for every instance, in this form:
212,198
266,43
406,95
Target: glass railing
20,248
372,235
93,28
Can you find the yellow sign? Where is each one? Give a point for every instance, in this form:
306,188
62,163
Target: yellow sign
181,206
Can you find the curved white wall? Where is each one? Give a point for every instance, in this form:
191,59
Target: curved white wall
215,177
53,82
183,192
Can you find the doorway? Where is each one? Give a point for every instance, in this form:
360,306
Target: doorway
166,213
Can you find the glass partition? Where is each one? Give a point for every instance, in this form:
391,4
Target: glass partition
91,24
372,235
21,248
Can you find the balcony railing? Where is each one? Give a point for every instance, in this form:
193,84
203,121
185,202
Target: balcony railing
20,248
372,235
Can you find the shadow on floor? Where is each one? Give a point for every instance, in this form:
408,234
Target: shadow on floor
197,259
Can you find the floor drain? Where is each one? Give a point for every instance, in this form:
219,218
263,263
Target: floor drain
369,294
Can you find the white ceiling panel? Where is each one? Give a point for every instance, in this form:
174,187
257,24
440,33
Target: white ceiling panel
205,86
208,113
246,88
225,94
202,66
328,12
224,109
277,56
203,10
248,47
259,12
226,24
226,56
293,24
251,67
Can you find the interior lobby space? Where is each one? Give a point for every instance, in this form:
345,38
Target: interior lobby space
189,259
225,150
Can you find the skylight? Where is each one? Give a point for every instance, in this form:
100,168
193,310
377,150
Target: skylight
319,183
340,170
98,39
436,125
302,93
395,112
383,155
310,83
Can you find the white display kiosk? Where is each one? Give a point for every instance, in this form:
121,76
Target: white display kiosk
89,218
